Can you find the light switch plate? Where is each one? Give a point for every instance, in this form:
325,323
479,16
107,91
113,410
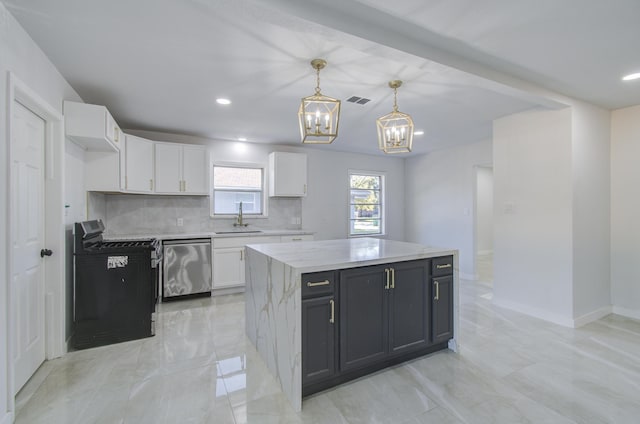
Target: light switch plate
180,222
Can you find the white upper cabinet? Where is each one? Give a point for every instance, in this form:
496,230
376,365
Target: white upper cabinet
139,165
181,169
105,171
92,127
287,174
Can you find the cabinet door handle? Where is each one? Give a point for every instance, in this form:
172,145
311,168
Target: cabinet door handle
437,297
305,189
393,278
386,271
443,266
319,283
333,311
150,184
116,132
242,255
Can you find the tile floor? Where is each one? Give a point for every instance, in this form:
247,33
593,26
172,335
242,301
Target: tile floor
199,368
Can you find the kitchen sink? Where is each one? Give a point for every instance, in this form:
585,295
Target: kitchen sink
238,231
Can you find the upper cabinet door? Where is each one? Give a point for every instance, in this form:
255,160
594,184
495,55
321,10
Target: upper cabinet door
91,126
139,165
287,174
168,167
195,169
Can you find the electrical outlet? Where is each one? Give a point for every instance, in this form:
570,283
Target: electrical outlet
180,222
298,220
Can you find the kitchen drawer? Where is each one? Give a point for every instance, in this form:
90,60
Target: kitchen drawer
302,237
318,283
442,266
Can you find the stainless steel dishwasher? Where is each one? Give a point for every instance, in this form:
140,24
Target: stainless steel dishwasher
187,268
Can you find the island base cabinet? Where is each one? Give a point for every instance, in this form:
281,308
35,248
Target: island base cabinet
364,322
442,308
409,319
318,349
385,315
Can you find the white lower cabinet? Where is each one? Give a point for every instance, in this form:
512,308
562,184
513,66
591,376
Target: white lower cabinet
229,259
228,267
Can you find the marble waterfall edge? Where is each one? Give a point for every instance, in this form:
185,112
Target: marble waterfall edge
273,315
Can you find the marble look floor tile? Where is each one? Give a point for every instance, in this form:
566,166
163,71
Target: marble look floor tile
200,368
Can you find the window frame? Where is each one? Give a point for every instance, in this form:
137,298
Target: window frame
381,198
264,190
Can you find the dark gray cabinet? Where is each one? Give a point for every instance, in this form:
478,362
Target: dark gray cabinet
318,327
384,311
364,321
360,320
409,306
442,298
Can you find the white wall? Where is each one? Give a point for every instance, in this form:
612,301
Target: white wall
484,209
440,199
24,58
591,212
533,214
325,208
625,204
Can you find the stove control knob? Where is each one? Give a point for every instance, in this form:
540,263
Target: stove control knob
45,252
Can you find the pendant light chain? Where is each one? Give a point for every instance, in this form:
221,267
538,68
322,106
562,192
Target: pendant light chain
318,81
395,99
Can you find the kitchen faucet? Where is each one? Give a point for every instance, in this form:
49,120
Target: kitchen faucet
239,221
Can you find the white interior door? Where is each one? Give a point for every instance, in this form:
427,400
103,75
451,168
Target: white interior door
27,239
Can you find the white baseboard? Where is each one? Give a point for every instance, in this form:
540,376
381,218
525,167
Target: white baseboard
534,312
592,316
626,312
7,419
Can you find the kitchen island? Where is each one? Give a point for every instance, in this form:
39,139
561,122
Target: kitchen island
323,312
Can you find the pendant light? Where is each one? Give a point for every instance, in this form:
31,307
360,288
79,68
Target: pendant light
395,130
318,114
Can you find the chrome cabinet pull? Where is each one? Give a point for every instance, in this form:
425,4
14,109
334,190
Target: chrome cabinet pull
333,311
393,278
443,266
437,290
116,131
242,255
319,283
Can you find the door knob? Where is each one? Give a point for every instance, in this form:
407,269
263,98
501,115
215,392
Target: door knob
45,252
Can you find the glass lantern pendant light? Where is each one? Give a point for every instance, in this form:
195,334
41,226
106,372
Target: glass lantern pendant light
319,115
395,130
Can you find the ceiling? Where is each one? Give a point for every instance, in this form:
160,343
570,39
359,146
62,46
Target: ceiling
159,65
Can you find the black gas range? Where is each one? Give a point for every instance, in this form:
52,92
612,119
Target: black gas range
115,287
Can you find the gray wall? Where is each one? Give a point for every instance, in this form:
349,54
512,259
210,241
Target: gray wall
440,199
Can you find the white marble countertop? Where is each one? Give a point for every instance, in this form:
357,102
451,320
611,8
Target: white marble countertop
219,234
309,256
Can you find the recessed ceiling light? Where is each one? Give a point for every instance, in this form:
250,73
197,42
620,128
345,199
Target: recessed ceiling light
223,101
242,139
418,132
631,77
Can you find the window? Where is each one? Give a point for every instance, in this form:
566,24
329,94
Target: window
366,205
235,184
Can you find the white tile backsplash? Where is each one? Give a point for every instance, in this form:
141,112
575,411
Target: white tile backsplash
144,214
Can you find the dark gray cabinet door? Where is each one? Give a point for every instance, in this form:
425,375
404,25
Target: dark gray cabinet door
318,339
364,323
442,292
409,306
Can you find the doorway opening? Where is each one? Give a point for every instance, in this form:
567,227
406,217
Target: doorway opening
483,246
